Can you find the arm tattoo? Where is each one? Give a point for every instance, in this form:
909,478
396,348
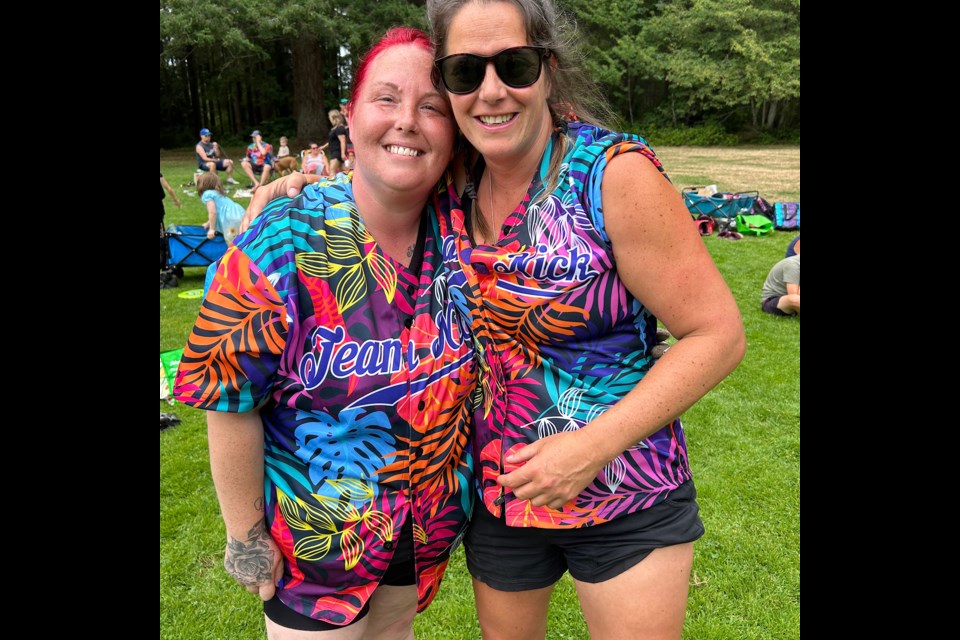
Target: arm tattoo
250,562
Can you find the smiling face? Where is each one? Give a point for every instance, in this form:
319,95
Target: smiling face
505,124
400,124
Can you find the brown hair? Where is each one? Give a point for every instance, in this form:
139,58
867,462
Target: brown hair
209,181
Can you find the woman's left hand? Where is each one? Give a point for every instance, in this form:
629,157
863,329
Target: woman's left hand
554,470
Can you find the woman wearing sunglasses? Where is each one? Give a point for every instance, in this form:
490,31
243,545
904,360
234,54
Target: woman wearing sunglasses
569,246
337,377
314,161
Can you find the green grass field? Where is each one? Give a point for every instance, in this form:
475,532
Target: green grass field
743,438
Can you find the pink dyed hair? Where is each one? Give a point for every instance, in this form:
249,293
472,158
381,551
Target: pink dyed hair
392,38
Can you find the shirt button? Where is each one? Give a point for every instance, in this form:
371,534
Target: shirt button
421,405
388,545
416,452
408,323
412,289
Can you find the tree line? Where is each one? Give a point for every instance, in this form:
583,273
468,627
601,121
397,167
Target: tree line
279,65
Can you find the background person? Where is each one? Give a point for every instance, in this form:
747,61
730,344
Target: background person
284,150
164,185
284,162
223,214
210,157
314,161
348,156
258,160
780,295
336,142
794,248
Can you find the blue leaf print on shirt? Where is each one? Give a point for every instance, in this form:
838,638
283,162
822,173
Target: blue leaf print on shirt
355,446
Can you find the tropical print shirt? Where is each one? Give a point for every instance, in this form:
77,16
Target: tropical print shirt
560,337
256,157
363,376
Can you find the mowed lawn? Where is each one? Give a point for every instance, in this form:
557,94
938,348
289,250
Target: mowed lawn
743,438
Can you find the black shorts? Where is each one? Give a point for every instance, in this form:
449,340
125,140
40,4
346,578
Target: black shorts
203,165
400,573
770,306
525,558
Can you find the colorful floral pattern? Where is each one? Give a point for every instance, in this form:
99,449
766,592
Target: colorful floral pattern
560,337
258,158
363,374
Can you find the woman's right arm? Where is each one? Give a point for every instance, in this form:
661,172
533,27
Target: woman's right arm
236,462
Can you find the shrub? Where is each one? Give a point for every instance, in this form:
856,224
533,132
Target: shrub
710,134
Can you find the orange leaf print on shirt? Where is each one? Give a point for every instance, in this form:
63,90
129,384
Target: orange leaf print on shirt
241,314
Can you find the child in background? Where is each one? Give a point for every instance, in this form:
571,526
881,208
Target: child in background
224,215
284,163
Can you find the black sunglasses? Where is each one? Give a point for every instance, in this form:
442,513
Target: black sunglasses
517,67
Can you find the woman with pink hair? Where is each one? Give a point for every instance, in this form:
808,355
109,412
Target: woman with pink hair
338,376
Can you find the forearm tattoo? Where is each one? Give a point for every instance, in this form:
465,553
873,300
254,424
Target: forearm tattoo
250,562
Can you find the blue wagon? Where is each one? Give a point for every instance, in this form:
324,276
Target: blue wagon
719,205
188,246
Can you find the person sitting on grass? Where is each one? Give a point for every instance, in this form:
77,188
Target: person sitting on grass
781,290
794,248
224,215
